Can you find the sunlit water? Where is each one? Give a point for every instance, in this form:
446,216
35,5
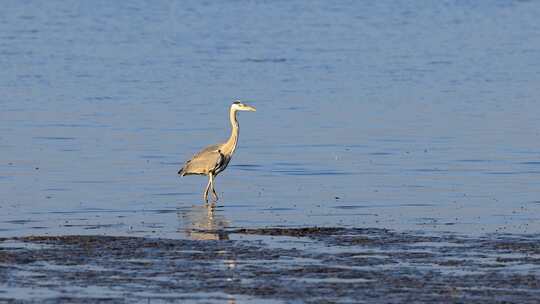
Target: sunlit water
405,116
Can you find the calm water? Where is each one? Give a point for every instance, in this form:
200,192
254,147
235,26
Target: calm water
416,116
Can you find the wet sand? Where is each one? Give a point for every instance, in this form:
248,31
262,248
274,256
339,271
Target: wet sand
274,265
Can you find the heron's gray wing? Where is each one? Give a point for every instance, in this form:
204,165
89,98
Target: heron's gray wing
203,162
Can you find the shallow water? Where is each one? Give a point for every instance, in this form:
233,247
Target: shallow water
360,266
390,115
417,117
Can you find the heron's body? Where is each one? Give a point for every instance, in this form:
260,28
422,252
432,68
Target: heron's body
210,160
213,159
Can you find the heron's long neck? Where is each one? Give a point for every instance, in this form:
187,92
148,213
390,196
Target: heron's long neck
230,145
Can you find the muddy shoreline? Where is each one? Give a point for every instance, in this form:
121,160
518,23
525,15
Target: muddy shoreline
275,265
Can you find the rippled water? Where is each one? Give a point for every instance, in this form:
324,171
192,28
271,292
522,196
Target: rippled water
385,114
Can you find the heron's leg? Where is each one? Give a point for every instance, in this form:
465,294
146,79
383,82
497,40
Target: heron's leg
205,196
213,190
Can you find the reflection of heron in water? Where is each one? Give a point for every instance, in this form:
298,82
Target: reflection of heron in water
202,223
215,158
205,223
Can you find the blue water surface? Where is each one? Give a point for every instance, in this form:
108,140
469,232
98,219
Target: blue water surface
402,115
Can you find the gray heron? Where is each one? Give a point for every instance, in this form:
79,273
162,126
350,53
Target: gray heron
213,159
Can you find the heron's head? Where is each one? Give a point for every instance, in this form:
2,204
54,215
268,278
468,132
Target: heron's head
240,106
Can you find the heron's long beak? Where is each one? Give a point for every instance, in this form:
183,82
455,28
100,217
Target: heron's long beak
250,108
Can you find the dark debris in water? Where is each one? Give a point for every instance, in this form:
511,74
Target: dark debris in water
297,232
335,265
265,60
